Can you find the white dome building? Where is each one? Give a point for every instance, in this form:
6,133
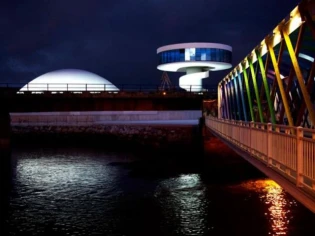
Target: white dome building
69,80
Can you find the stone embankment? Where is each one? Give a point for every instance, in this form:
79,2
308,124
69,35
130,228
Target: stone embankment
148,135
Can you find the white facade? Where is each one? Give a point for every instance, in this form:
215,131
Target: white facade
196,59
69,80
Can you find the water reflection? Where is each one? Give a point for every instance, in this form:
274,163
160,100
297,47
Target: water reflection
185,203
54,193
279,213
77,192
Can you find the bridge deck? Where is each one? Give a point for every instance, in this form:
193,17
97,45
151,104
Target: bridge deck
285,154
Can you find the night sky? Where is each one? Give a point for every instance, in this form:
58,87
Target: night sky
117,39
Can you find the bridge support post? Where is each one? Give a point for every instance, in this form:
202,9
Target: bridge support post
299,156
251,125
269,144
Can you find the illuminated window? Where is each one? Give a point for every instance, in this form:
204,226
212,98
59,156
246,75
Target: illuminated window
187,54
203,56
192,53
195,54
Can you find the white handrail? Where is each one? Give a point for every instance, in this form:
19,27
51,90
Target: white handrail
288,150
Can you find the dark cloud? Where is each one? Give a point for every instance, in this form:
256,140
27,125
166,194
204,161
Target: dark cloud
117,39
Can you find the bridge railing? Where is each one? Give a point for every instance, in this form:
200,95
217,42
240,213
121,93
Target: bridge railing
83,87
288,150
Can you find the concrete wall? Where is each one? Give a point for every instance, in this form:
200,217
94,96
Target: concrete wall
102,117
4,129
106,135
101,102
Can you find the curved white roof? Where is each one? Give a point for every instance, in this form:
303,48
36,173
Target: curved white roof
182,66
194,45
69,80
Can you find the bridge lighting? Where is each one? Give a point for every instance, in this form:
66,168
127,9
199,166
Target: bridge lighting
294,23
239,68
245,62
276,38
263,48
306,57
253,56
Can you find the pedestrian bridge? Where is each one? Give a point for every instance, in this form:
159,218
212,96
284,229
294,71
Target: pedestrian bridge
266,105
285,154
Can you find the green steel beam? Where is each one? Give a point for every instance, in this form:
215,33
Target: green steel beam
267,91
256,90
248,94
262,88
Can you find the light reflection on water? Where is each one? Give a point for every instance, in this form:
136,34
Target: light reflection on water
64,193
68,192
279,213
185,203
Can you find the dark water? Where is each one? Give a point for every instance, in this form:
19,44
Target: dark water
76,191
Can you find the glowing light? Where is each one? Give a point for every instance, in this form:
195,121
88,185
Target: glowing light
181,66
240,69
277,37
253,56
289,26
246,64
193,82
185,197
295,21
69,80
263,49
193,45
278,207
306,57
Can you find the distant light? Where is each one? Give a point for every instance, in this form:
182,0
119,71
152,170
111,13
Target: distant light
164,93
306,57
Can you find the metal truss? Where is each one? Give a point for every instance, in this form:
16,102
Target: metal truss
274,82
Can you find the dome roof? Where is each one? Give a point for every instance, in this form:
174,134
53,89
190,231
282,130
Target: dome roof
69,80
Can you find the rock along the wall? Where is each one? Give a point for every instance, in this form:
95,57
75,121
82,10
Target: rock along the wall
151,136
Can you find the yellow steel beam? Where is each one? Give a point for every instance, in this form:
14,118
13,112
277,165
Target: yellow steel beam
309,86
274,83
280,84
291,73
299,76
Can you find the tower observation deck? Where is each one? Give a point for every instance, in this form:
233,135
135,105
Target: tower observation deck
196,59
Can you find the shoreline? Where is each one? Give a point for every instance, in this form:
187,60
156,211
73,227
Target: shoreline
130,136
